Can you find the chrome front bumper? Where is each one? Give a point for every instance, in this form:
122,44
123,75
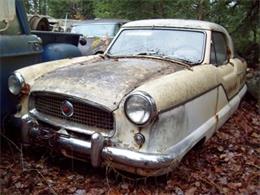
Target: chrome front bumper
97,151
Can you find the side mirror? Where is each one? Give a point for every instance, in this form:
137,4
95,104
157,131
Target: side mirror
82,41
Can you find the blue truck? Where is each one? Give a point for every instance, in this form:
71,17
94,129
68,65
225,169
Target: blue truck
20,47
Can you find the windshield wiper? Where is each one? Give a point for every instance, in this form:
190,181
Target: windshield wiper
180,59
165,57
187,64
184,62
153,53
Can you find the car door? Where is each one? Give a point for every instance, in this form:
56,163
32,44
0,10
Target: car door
226,69
230,75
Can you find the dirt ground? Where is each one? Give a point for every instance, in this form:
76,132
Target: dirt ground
228,163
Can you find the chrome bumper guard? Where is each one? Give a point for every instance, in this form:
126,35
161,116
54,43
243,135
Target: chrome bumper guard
96,150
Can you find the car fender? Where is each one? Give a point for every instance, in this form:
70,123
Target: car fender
177,88
31,73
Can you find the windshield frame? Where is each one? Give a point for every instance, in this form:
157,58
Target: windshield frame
160,28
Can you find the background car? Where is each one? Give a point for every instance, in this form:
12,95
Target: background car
98,32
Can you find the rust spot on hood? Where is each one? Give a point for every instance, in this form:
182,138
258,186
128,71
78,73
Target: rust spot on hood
104,81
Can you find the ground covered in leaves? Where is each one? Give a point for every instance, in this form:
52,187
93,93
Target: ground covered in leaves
227,164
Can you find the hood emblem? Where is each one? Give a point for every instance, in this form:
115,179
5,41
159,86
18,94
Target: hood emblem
67,108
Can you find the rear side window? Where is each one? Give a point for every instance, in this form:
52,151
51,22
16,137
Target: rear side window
218,53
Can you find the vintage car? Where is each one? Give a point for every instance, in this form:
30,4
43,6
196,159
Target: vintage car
162,87
98,33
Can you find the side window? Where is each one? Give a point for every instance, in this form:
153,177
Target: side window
213,58
218,53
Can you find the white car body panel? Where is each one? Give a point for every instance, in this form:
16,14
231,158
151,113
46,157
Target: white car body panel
192,102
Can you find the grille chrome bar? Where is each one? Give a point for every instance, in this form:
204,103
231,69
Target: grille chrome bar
75,127
85,115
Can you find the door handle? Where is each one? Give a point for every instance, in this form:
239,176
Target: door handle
36,45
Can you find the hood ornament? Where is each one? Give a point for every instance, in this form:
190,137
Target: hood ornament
67,108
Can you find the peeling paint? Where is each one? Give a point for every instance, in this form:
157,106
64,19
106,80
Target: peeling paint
191,105
113,78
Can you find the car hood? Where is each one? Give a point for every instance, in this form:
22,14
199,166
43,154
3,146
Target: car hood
104,82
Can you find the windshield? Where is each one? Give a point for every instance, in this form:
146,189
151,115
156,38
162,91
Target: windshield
95,30
177,44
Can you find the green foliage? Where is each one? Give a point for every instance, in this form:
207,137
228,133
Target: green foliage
240,17
130,9
76,9
36,6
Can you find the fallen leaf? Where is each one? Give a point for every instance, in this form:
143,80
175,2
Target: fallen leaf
191,191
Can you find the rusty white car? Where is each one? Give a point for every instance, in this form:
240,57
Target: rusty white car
162,87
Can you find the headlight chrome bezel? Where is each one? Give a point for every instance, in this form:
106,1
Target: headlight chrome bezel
152,107
21,81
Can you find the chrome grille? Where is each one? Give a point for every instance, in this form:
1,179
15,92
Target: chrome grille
84,113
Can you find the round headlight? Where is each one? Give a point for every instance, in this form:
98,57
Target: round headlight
139,108
15,83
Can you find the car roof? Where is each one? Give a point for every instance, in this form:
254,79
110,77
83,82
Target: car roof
176,23
102,21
